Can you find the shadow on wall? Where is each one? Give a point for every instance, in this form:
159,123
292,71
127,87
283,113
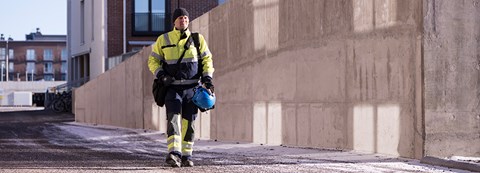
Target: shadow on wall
317,73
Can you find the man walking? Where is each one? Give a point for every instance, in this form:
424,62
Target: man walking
176,62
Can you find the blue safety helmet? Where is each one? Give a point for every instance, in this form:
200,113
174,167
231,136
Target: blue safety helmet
203,98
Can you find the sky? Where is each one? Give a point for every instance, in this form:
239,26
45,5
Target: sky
21,17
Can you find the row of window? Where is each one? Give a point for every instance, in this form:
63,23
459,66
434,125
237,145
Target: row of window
32,77
47,54
47,67
149,17
3,54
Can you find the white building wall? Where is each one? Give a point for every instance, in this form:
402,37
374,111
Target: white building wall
93,32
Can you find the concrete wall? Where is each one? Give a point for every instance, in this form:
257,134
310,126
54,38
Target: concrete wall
362,75
452,77
318,73
123,97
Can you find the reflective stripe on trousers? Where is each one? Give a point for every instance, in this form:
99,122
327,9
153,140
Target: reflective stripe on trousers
173,132
188,128
174,140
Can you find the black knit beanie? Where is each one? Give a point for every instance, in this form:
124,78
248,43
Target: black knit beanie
179,12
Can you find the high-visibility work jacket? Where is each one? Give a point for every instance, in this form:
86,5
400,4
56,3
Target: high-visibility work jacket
168,49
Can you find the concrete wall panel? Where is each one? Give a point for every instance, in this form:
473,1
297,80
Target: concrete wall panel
304,136
104,97
242,122
204,121
118,94
94,112
281,74
80,99
235,122
240,33
218,19
151,117
320,74
388,130
89,96
274,123
452,59
134,93
327,129
224,121
260,123
289,124
155,122
237,89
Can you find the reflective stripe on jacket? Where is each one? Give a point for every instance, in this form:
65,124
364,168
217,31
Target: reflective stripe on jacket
168,48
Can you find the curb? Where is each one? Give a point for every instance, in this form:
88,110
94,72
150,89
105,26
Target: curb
450,163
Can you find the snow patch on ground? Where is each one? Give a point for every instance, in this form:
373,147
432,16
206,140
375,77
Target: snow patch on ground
243,156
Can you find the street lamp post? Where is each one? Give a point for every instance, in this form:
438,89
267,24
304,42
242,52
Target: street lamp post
1,77
7,52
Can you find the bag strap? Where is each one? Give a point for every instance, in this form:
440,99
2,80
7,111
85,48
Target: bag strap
196,42
185,48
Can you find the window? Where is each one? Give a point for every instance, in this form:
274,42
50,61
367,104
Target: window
48,77
10,67
2,54
149,17
31,55
48,67
220,2
93,20
30,67
63,69
31,77
10,54
48,55
82,21
3,71
64,54
64,77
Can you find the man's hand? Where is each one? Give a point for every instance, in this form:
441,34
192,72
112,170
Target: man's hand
207,82
166,80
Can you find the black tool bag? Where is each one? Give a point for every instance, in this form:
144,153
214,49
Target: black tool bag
159,92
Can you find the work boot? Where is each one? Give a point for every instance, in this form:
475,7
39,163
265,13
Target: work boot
173,160
187,162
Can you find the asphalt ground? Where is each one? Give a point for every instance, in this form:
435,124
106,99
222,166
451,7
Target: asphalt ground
35,140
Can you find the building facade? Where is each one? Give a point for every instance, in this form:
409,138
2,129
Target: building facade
39,57
103,33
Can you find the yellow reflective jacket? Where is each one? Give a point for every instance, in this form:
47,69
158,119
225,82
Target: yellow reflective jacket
167,50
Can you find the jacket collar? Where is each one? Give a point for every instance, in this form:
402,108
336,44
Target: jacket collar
178,32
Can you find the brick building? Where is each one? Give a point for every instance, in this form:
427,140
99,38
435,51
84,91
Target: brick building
103,33
39,57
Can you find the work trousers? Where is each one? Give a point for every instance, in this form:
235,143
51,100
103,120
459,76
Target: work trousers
181,115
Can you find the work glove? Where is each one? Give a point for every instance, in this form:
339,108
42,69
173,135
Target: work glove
207,82
205,110
165,79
